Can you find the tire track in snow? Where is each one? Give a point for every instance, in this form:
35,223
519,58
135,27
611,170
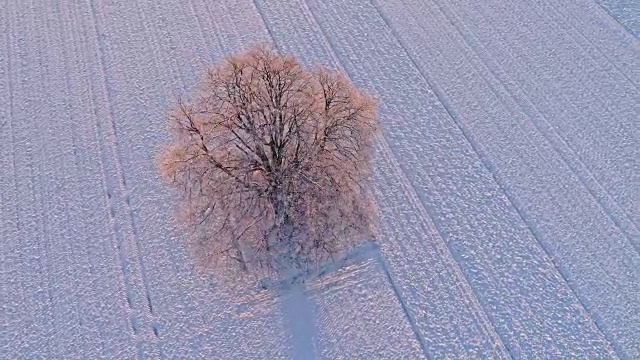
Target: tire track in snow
151,44
108,186
561,147
216,29
123,36
206,43
56,255
449,109
153,328
157,52
76,219
443,251
583,64
152,318
594,179
409,191
568,154
185,314
602,84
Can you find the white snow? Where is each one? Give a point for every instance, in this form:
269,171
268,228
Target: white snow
507,174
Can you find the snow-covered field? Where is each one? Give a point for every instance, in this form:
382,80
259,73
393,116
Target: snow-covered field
508,176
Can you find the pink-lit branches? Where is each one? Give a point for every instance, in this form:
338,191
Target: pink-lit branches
272,160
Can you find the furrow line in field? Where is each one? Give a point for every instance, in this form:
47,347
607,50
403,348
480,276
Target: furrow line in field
267,26
151,43
471,299
420,337
82,197
216,29
144,97
206,43
151,29
452,115
156,32
244,32
598,191
126,194
53,207
153,322
409,188
409,197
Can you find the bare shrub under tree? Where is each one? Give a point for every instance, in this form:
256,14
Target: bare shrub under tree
272,161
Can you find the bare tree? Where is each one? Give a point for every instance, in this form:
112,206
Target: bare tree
273,160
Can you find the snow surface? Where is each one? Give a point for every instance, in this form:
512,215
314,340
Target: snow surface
508,177
626,12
